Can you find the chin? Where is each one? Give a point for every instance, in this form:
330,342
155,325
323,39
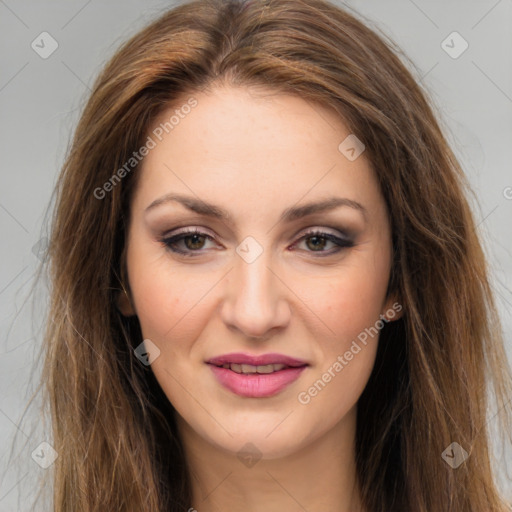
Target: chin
280,443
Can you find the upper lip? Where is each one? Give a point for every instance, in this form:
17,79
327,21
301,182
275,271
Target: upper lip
261,360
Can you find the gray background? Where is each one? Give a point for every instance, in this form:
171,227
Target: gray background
40,101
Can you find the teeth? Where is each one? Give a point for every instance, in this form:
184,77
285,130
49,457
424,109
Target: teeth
249,368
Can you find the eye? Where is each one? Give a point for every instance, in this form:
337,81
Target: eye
193,240
316,241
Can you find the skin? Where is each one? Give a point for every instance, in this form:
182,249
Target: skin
255,154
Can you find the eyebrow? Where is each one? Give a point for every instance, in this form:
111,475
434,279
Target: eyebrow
290,214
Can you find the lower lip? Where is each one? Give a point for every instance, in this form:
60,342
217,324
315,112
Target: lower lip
257,385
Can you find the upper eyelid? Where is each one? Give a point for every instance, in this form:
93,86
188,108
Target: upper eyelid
305,231
186,231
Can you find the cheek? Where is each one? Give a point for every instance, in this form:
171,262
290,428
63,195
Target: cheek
169,304
349,301
169,313
350,306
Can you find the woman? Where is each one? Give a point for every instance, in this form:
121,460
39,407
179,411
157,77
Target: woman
200,353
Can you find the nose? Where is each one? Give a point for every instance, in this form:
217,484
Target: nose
256,301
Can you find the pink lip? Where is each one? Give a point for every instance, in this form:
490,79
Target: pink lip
241,358
257,385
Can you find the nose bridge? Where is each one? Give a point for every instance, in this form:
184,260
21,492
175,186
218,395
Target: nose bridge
254,296
253,283
253,286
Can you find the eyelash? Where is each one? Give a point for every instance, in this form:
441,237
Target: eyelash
170,242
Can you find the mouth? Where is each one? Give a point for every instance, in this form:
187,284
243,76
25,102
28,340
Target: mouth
249,369
267,376
263,363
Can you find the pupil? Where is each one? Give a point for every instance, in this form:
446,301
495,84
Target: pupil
194,244
317,238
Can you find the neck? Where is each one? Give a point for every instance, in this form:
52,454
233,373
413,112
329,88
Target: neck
320,475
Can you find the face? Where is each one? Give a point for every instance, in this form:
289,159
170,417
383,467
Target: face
236,264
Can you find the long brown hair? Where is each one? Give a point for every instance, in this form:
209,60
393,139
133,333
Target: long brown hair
112,425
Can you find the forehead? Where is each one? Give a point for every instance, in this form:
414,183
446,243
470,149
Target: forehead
254,147
241,118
